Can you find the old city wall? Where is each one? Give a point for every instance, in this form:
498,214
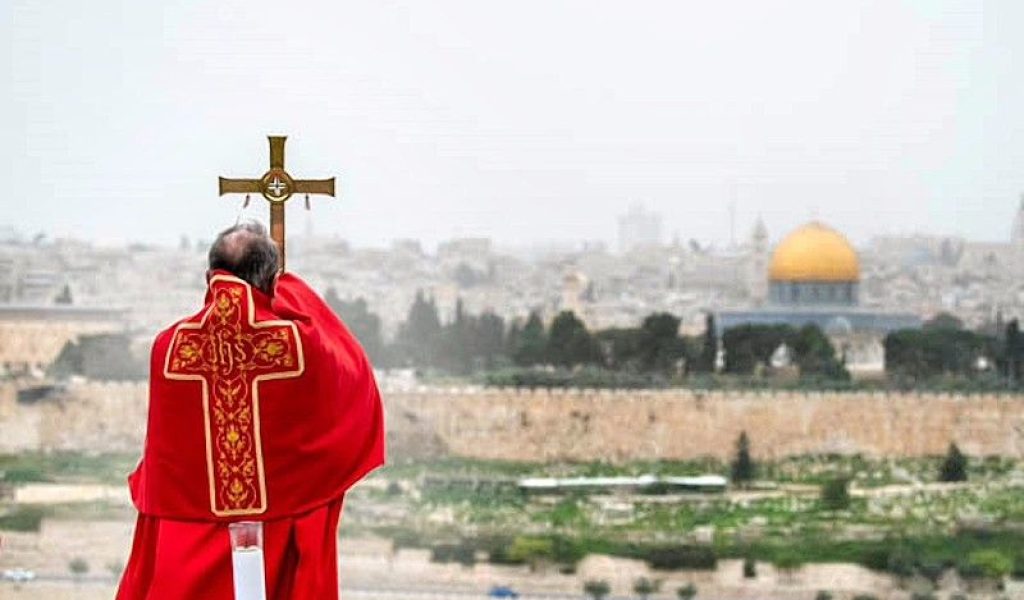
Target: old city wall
584,425
86,417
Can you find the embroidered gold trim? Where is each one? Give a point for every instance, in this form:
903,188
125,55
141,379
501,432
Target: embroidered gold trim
230,354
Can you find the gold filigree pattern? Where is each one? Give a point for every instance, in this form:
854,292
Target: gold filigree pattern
230,353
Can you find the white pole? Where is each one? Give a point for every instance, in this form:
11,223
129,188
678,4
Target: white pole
247,560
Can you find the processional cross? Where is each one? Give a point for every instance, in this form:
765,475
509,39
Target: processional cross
277,186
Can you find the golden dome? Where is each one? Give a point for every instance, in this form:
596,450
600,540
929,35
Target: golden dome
815,252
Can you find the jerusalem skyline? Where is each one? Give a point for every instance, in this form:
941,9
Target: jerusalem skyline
735,232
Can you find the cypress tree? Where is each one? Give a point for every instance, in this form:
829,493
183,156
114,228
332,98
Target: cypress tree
743,468
954,467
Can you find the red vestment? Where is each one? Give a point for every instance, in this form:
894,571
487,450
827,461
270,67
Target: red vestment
260,409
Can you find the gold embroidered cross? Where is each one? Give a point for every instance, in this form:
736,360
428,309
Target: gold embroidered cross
229,352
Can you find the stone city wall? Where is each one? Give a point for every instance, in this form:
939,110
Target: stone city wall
584,425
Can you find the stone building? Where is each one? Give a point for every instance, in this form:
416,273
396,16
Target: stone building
31,337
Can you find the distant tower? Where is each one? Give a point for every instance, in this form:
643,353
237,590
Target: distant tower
639,228
757,276
1017,238
1017,234
575,286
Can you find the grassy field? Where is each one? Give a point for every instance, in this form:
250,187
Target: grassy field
896,520
66,467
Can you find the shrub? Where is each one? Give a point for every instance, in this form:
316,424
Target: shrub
687,592
596,588
644,587
835,494
25,518
462,553
823,595
749,568
992,564
901,562
531,550
931,570
923,596
788,561
666,558
865,597
954,467
115,568
78,566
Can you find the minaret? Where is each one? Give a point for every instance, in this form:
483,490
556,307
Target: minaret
1017,238
1017,233
757,277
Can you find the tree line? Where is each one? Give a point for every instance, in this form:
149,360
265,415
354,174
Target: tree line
479,343
471,343
944,348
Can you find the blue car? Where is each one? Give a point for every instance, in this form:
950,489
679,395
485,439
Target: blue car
502,591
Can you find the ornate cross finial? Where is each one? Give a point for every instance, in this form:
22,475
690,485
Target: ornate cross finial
277,186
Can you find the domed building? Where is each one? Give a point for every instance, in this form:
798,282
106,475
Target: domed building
814,266
814,278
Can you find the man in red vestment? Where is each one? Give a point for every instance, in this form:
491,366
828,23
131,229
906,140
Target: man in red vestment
262,407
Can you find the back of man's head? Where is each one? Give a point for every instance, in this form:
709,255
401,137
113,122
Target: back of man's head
246,251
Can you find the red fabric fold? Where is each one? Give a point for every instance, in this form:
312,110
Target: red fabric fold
315,420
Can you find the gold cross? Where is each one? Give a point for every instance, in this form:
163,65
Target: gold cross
277,186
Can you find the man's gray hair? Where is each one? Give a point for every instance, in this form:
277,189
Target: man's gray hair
246,251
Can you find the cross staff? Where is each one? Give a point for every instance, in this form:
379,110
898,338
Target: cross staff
277,186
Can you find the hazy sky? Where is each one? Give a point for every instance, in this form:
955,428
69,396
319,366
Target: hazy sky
523,121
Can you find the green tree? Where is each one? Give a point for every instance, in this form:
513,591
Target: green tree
101,357
814,354
709,347
743,467
920,354
659,342
569,342
363,323
823,595
644,587
420,335
490,340
748,345
954,466
687,592
621,347
1013,352
596,588
835,494
532,343
943,321
458,341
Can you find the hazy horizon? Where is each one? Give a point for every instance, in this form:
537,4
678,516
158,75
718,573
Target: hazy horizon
529,123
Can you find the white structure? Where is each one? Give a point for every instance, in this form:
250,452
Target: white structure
639,228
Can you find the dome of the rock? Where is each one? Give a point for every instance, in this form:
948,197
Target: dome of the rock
814,253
